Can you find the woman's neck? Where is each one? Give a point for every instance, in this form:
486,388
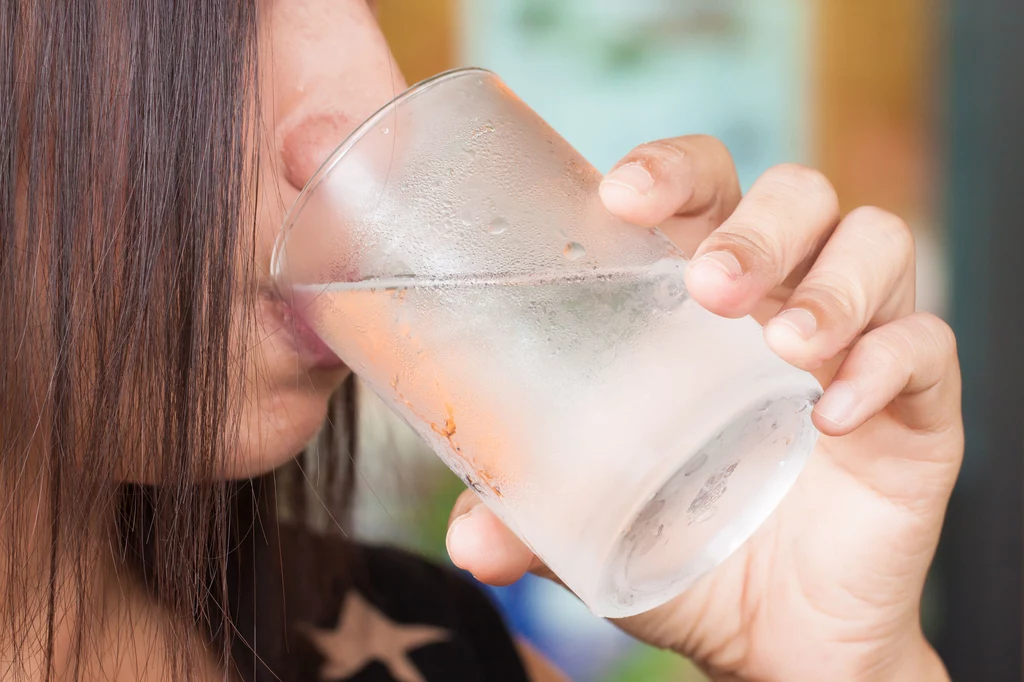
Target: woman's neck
83,614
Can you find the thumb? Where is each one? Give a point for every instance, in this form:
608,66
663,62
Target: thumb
480,543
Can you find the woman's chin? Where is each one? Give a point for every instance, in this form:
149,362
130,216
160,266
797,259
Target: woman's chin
288,380
272,430
279,426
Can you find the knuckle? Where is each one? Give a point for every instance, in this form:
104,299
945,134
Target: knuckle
838,299
664,151
940,333
717,156
808,182
924,348
756,249
715,146
893,232
890,347
887,351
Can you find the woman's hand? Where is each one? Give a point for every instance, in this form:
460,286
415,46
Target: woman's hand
830,587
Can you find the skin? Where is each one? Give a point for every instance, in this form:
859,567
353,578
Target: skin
325,67
830,587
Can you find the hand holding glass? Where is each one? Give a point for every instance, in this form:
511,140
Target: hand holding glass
455,253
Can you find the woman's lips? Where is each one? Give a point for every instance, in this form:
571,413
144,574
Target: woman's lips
309,344
310,347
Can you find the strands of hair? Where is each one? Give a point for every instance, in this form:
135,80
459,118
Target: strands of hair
126,159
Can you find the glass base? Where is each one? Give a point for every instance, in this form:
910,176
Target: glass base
708,506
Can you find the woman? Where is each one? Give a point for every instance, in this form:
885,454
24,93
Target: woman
155,392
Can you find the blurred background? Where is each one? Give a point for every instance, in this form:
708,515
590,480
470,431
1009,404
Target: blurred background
912,105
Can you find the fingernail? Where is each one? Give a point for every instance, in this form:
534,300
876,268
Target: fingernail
723,261
632,178
797,320
838,402
452,539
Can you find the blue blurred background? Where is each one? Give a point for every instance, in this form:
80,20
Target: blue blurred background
912,105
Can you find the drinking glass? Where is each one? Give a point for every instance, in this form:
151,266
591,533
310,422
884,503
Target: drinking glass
454,252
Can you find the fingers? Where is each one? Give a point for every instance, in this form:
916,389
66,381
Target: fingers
910,363
781,223
688,175
480,543
864,276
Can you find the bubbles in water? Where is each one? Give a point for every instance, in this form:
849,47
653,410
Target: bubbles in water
497,226
574,251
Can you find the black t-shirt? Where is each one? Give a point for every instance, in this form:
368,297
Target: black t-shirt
373,614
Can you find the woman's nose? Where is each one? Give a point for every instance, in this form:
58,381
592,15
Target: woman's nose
310,141
332,69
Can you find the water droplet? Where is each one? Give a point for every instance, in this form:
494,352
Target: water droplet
574,251
384,130
497,226
670,293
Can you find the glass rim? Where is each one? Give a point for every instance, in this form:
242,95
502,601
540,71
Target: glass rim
350,141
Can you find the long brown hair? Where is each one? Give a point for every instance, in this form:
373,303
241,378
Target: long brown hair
127,133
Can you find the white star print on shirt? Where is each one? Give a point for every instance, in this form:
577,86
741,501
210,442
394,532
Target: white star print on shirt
364,635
